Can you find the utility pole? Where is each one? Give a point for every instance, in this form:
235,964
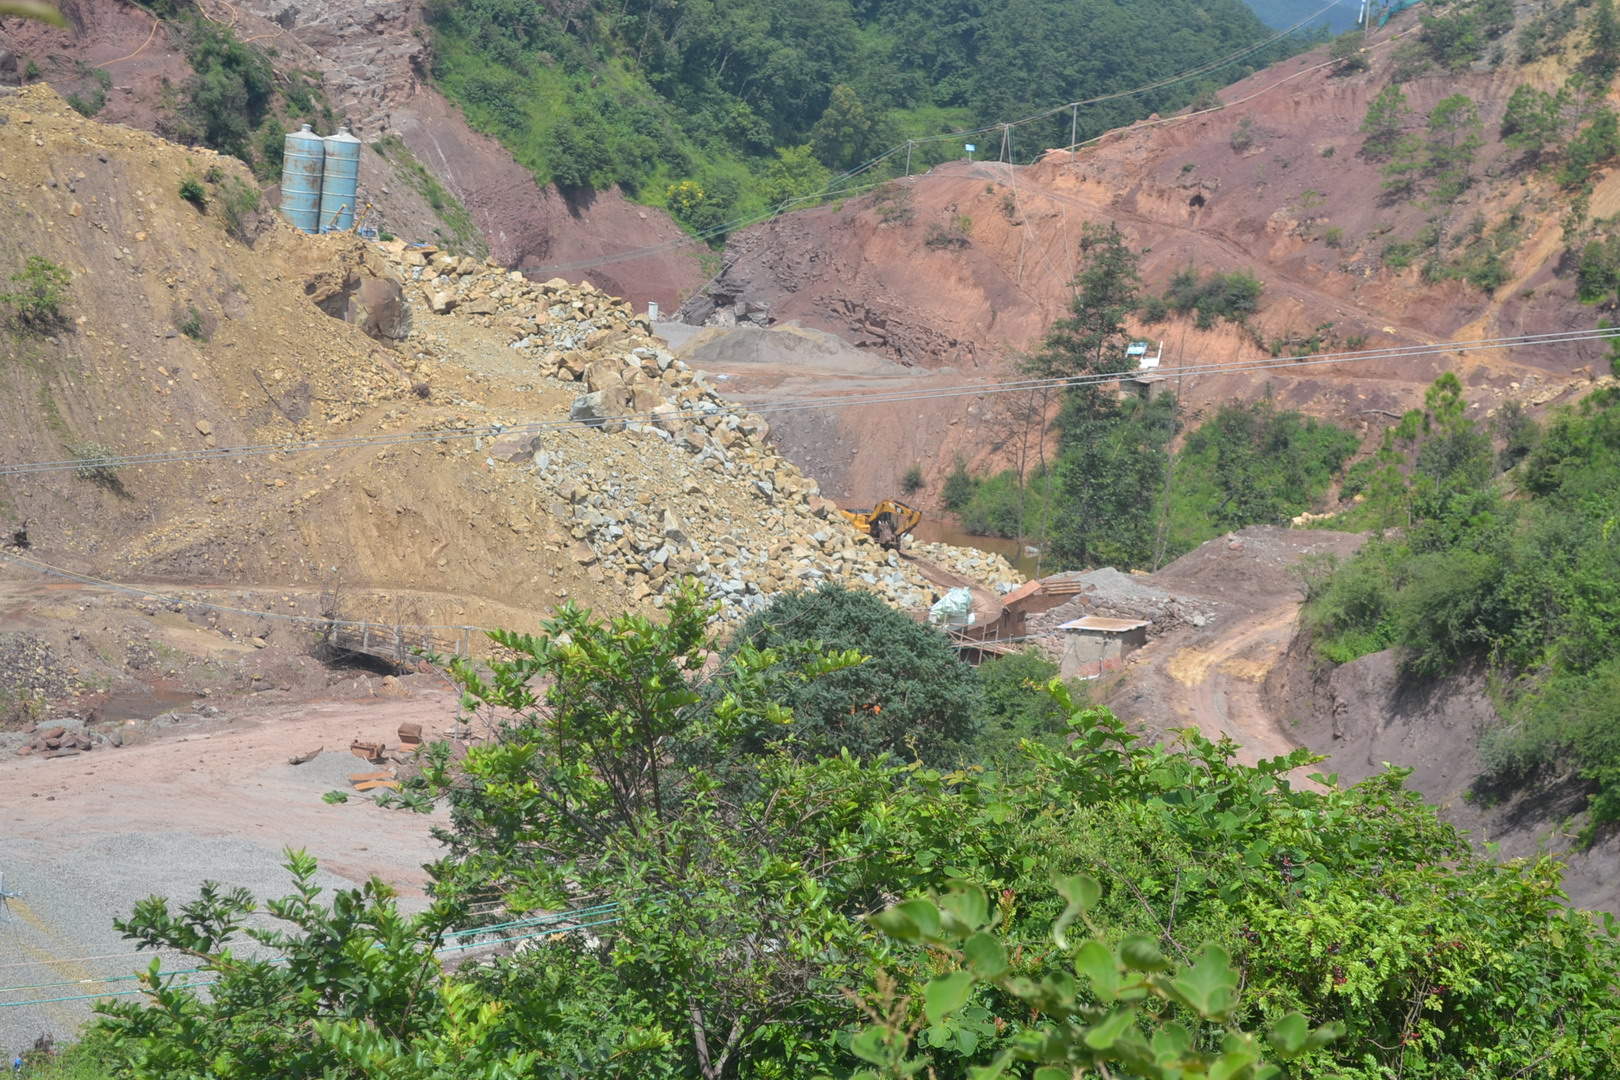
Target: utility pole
908,159
1074,128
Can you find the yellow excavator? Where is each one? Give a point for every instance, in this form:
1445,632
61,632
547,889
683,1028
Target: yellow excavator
886,522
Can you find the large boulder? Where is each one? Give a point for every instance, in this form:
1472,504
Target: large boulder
598,409
361,294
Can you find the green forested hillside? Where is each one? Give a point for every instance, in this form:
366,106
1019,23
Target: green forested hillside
719,108
1505,559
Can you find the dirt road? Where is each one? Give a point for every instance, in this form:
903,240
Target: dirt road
1223,672
207,799
1211,677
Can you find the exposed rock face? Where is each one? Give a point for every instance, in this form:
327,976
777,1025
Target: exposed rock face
370,59
372,56
538,228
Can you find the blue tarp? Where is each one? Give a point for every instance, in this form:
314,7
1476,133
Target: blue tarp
1395,7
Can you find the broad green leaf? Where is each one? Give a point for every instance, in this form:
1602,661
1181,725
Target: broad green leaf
1097,964
1082,893
946,994
1232,1063
1210,985
1103,1035
1141,953
969,905
1288,1035
910,920
992,1071
895,923
1327,1033
1170,1042
986,956
1051,1072
869,1046
1079,890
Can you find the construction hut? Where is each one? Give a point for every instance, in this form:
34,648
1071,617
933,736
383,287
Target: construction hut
1094,645
1002,631
1147,385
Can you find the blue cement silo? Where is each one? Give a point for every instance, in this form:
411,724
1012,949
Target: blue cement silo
302,167
342,181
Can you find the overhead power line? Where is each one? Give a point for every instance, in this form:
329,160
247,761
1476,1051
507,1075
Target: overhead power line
969,388
838,185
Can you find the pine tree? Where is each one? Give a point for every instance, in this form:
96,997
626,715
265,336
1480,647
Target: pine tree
1604,60
1386,119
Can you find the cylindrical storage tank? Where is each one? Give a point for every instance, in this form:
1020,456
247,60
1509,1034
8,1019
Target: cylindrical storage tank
342,181
303,158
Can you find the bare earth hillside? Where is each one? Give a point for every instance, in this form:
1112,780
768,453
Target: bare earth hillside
1274,182
238,437
184,340
369,59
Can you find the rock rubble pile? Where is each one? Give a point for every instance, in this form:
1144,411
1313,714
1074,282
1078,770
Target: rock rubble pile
1109,593
994,571
658,476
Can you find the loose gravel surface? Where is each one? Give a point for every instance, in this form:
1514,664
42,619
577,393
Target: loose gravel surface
89,836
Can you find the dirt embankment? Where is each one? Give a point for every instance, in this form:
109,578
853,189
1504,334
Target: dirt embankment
1250,673
1367,715
1207,673
965,266
378,473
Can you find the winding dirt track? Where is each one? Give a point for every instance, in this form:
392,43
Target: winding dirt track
1223,681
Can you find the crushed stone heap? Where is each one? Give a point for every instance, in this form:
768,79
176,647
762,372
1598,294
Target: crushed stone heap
660,476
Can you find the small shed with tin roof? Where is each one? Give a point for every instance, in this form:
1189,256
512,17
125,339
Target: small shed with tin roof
1094,645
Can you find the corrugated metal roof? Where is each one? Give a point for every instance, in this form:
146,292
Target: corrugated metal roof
1097,622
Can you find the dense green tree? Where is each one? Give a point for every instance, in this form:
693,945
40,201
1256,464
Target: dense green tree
845,136
1453,141
794,173
1596,143
1387,117
731,896
1527,586
1533,120
1013,705
1234,296
232,90
959,487
727,85
597,794
1110,482
1091,340
349,989
1604,59
912,697
1348,53
42,290
1268,465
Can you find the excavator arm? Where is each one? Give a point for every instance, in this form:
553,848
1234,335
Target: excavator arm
886,522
